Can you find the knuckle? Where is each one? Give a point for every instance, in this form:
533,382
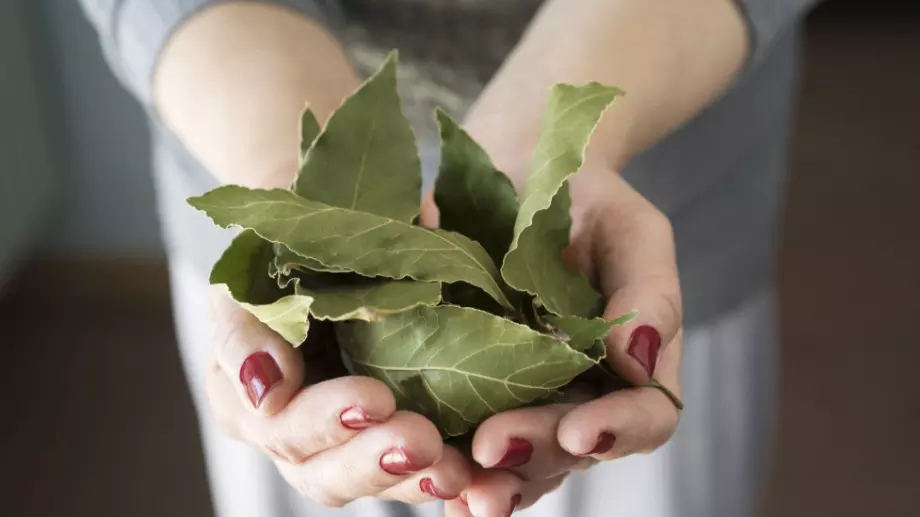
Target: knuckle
314,491
661,422
656,221
320,497
329,501
278,447
672,303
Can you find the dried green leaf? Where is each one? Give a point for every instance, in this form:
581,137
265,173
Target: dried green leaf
534,262
582,333
364,243
309,130
286,261
366,158
369,299
473,197
456,365
243,270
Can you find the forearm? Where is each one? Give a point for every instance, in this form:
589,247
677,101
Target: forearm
233,80
672,57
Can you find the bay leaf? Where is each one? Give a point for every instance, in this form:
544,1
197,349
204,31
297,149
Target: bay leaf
368,300
287,261
343,295
309,130
586,334
580,332
366,158
457,365
473,197
466,295
243,269
364,243
533,263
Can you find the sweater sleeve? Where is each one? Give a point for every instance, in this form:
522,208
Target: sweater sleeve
767,20
133,33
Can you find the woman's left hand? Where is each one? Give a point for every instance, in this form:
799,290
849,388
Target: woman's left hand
626,247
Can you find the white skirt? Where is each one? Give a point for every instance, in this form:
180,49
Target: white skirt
713,467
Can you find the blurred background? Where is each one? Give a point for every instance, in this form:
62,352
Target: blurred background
96,418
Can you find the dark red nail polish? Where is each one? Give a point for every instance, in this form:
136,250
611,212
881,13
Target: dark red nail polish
356,418
259,374
518,453
395,461
643,346
604,443
427,485
515,501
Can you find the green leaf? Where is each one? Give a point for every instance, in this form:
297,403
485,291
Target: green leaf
366,244
456,365
309,130
466,295
582,333
286,261
534,262
473,197
243,270
586,334
369,300
366,159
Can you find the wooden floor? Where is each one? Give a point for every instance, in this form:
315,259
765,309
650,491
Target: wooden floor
96,420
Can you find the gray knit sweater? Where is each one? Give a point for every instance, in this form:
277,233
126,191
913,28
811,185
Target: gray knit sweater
719,178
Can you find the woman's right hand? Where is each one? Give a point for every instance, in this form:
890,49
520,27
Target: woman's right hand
334,439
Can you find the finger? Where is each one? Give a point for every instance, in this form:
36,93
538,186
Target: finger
494,493
635,261
267,370
429,216
625,422
524,441
534,490
457,508
444,480
371,462
223,402
321,417
497,493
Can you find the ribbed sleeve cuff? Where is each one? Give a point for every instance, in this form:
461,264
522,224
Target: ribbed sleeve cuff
142,28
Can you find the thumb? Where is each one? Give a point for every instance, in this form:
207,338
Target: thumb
632,250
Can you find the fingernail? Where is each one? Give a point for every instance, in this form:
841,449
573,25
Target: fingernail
259,374
356,419
515,501
518,453
643,347
427,485
604,443
395,461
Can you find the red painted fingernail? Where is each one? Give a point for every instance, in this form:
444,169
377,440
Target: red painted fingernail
356,419
643,346
427,485
395,461
604,443
518,453
259,374
515,501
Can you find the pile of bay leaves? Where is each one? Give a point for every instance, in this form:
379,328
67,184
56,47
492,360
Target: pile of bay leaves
474,318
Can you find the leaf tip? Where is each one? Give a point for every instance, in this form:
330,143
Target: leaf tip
624,319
